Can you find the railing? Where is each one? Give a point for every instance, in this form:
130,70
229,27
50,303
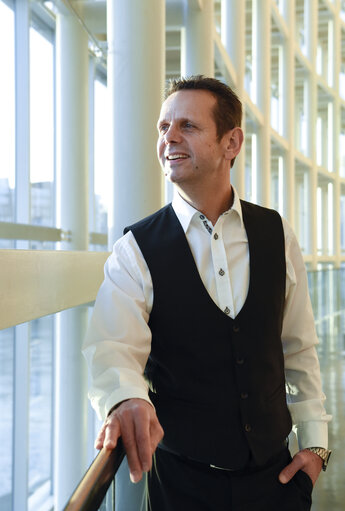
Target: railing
29,232
91,490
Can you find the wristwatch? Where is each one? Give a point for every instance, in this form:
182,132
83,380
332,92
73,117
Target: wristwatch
323,453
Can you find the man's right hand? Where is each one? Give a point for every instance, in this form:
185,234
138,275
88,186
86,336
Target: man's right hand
135,420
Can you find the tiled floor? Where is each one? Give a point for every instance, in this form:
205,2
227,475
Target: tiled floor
329,492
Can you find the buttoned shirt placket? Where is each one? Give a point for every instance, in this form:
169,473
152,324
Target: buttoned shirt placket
220,263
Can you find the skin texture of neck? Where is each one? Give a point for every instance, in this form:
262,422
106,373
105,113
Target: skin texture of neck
212,202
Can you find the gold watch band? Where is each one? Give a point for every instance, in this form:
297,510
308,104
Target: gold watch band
323,453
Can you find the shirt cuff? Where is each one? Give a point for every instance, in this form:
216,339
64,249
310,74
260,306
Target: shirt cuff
312,434
123,394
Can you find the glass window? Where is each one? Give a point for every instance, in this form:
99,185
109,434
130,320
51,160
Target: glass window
325,217
41,405
217,18
324,53
173,53
302,217
277,180
250,79
324,131
342,65
301,125
251,156
41,129
300,30
102,159
7,117
342,144
342,219
276,79
280,5
6,422
342,9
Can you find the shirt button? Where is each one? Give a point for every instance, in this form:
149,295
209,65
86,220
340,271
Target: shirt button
248,428
236,328
240,361
227,310
215,236
202,217
221,272
244,395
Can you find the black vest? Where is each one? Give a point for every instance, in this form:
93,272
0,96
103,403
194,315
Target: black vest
218,384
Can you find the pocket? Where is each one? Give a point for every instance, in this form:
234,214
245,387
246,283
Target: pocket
304,483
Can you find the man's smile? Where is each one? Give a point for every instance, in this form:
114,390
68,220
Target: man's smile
176,156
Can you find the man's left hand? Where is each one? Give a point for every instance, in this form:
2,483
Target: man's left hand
304,460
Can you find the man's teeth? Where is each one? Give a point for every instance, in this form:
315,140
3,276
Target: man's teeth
176,156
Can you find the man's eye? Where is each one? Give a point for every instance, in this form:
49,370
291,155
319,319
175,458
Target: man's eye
188,125
163,128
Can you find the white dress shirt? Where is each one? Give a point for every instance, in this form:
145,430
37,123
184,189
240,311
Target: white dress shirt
118,341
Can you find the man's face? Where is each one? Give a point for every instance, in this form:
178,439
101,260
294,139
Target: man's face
187,146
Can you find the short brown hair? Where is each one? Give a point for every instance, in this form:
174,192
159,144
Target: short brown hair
228,109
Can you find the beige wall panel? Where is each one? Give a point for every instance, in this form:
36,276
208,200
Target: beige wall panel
37,283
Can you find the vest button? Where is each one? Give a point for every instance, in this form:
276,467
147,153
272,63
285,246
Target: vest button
240,361
236,328
248,428
244,395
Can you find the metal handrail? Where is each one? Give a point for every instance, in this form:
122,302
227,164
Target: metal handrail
91,490
31,232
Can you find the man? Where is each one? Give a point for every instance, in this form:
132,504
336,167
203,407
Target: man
208,297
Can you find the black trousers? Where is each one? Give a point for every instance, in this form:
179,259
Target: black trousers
178,484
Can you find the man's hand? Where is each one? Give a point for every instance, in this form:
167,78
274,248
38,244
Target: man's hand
304,460
135,420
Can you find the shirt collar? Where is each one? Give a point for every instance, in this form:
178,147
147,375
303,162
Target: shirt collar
185,212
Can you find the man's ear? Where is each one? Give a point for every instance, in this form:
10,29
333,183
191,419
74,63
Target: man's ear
233,143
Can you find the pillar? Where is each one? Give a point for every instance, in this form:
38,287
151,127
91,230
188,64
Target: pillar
136,68
289,114
72,177
233,38
335,63
261,12
197,47
311,36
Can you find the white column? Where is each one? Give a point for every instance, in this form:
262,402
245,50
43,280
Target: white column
311,36
288,98
262,10
136,67
336,133
233,39
72,169
197,47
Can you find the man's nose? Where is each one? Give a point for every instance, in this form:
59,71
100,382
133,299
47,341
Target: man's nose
172,135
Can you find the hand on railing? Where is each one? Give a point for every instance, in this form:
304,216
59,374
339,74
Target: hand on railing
135,420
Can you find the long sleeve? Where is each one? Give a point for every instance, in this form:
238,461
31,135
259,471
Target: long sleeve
118,340
304,393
